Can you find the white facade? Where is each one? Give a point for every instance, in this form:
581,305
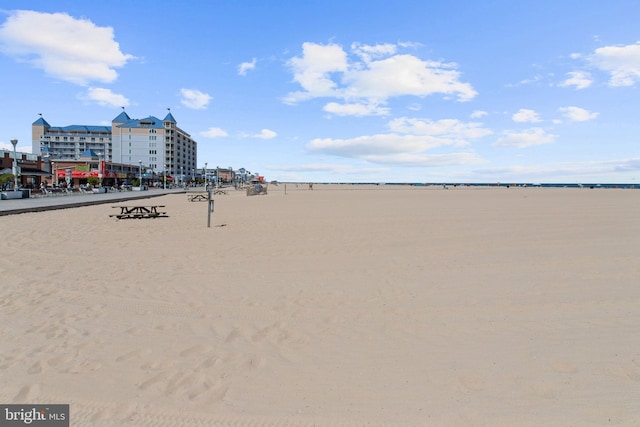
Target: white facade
158,145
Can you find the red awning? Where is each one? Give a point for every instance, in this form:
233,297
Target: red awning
86,174
75,174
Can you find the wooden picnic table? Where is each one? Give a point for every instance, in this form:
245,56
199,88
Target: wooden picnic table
139,212
203,197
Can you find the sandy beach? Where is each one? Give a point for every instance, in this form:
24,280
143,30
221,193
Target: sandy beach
341,306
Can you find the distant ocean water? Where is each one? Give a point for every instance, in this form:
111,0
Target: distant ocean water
451,184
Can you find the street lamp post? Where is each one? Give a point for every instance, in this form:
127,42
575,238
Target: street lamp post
165,176
100,168
14,142
140,170
205,175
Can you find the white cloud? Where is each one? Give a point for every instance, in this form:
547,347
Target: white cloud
478,113
214,133
428,160
621,62
567,169
406,150
19,148
526,138
525,116
312,70
368,53
66,48
246,66
577,114
104,97
578,79
408,144
325,167
454,130
402,75
265,134
355,109
381,144
372,75
194,99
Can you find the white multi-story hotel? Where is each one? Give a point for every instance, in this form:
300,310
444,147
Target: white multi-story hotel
158,145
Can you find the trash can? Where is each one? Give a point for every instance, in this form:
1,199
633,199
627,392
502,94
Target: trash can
26,193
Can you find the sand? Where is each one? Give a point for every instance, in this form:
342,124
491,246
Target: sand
345,305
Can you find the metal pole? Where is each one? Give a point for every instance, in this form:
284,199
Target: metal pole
15,165
209,208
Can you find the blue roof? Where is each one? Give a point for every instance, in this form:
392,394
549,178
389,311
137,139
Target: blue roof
148,122
87,129
122,117
89,153
41,121
170,118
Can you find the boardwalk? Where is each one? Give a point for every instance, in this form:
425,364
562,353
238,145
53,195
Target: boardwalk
36,204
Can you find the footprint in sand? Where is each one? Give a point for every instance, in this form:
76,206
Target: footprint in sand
60,360
274,332
151,381
36,368
132,355
234,335
84,367
27,393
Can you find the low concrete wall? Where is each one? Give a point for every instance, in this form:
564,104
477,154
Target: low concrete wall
7,195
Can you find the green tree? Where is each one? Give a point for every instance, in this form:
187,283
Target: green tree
5,180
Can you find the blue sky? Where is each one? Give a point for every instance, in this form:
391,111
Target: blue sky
344,91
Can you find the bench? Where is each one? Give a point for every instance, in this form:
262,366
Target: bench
139,212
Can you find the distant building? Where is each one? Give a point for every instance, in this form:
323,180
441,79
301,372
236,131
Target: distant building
29,166
158,145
